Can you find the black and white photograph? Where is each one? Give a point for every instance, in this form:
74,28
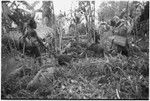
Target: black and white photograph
75,50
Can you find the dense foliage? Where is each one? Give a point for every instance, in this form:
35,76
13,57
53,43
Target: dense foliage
77,69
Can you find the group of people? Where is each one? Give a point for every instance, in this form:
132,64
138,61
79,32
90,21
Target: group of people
125,21
116,25
119,25
125,24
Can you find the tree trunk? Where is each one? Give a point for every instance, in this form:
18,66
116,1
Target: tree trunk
48,13
89,16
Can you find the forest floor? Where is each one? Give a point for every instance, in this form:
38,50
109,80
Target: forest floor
89,78
111,77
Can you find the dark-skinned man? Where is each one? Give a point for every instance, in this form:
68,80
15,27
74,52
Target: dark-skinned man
31,40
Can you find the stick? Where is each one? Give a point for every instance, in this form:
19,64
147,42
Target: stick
112,43
23,48
117,94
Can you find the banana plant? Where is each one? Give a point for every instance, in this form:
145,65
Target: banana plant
16,14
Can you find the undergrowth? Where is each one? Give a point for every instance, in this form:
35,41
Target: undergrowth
114,77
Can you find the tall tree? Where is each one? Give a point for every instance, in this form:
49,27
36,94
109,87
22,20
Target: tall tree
88,9
48,12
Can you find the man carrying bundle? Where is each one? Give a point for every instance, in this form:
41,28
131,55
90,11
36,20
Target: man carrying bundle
31,40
